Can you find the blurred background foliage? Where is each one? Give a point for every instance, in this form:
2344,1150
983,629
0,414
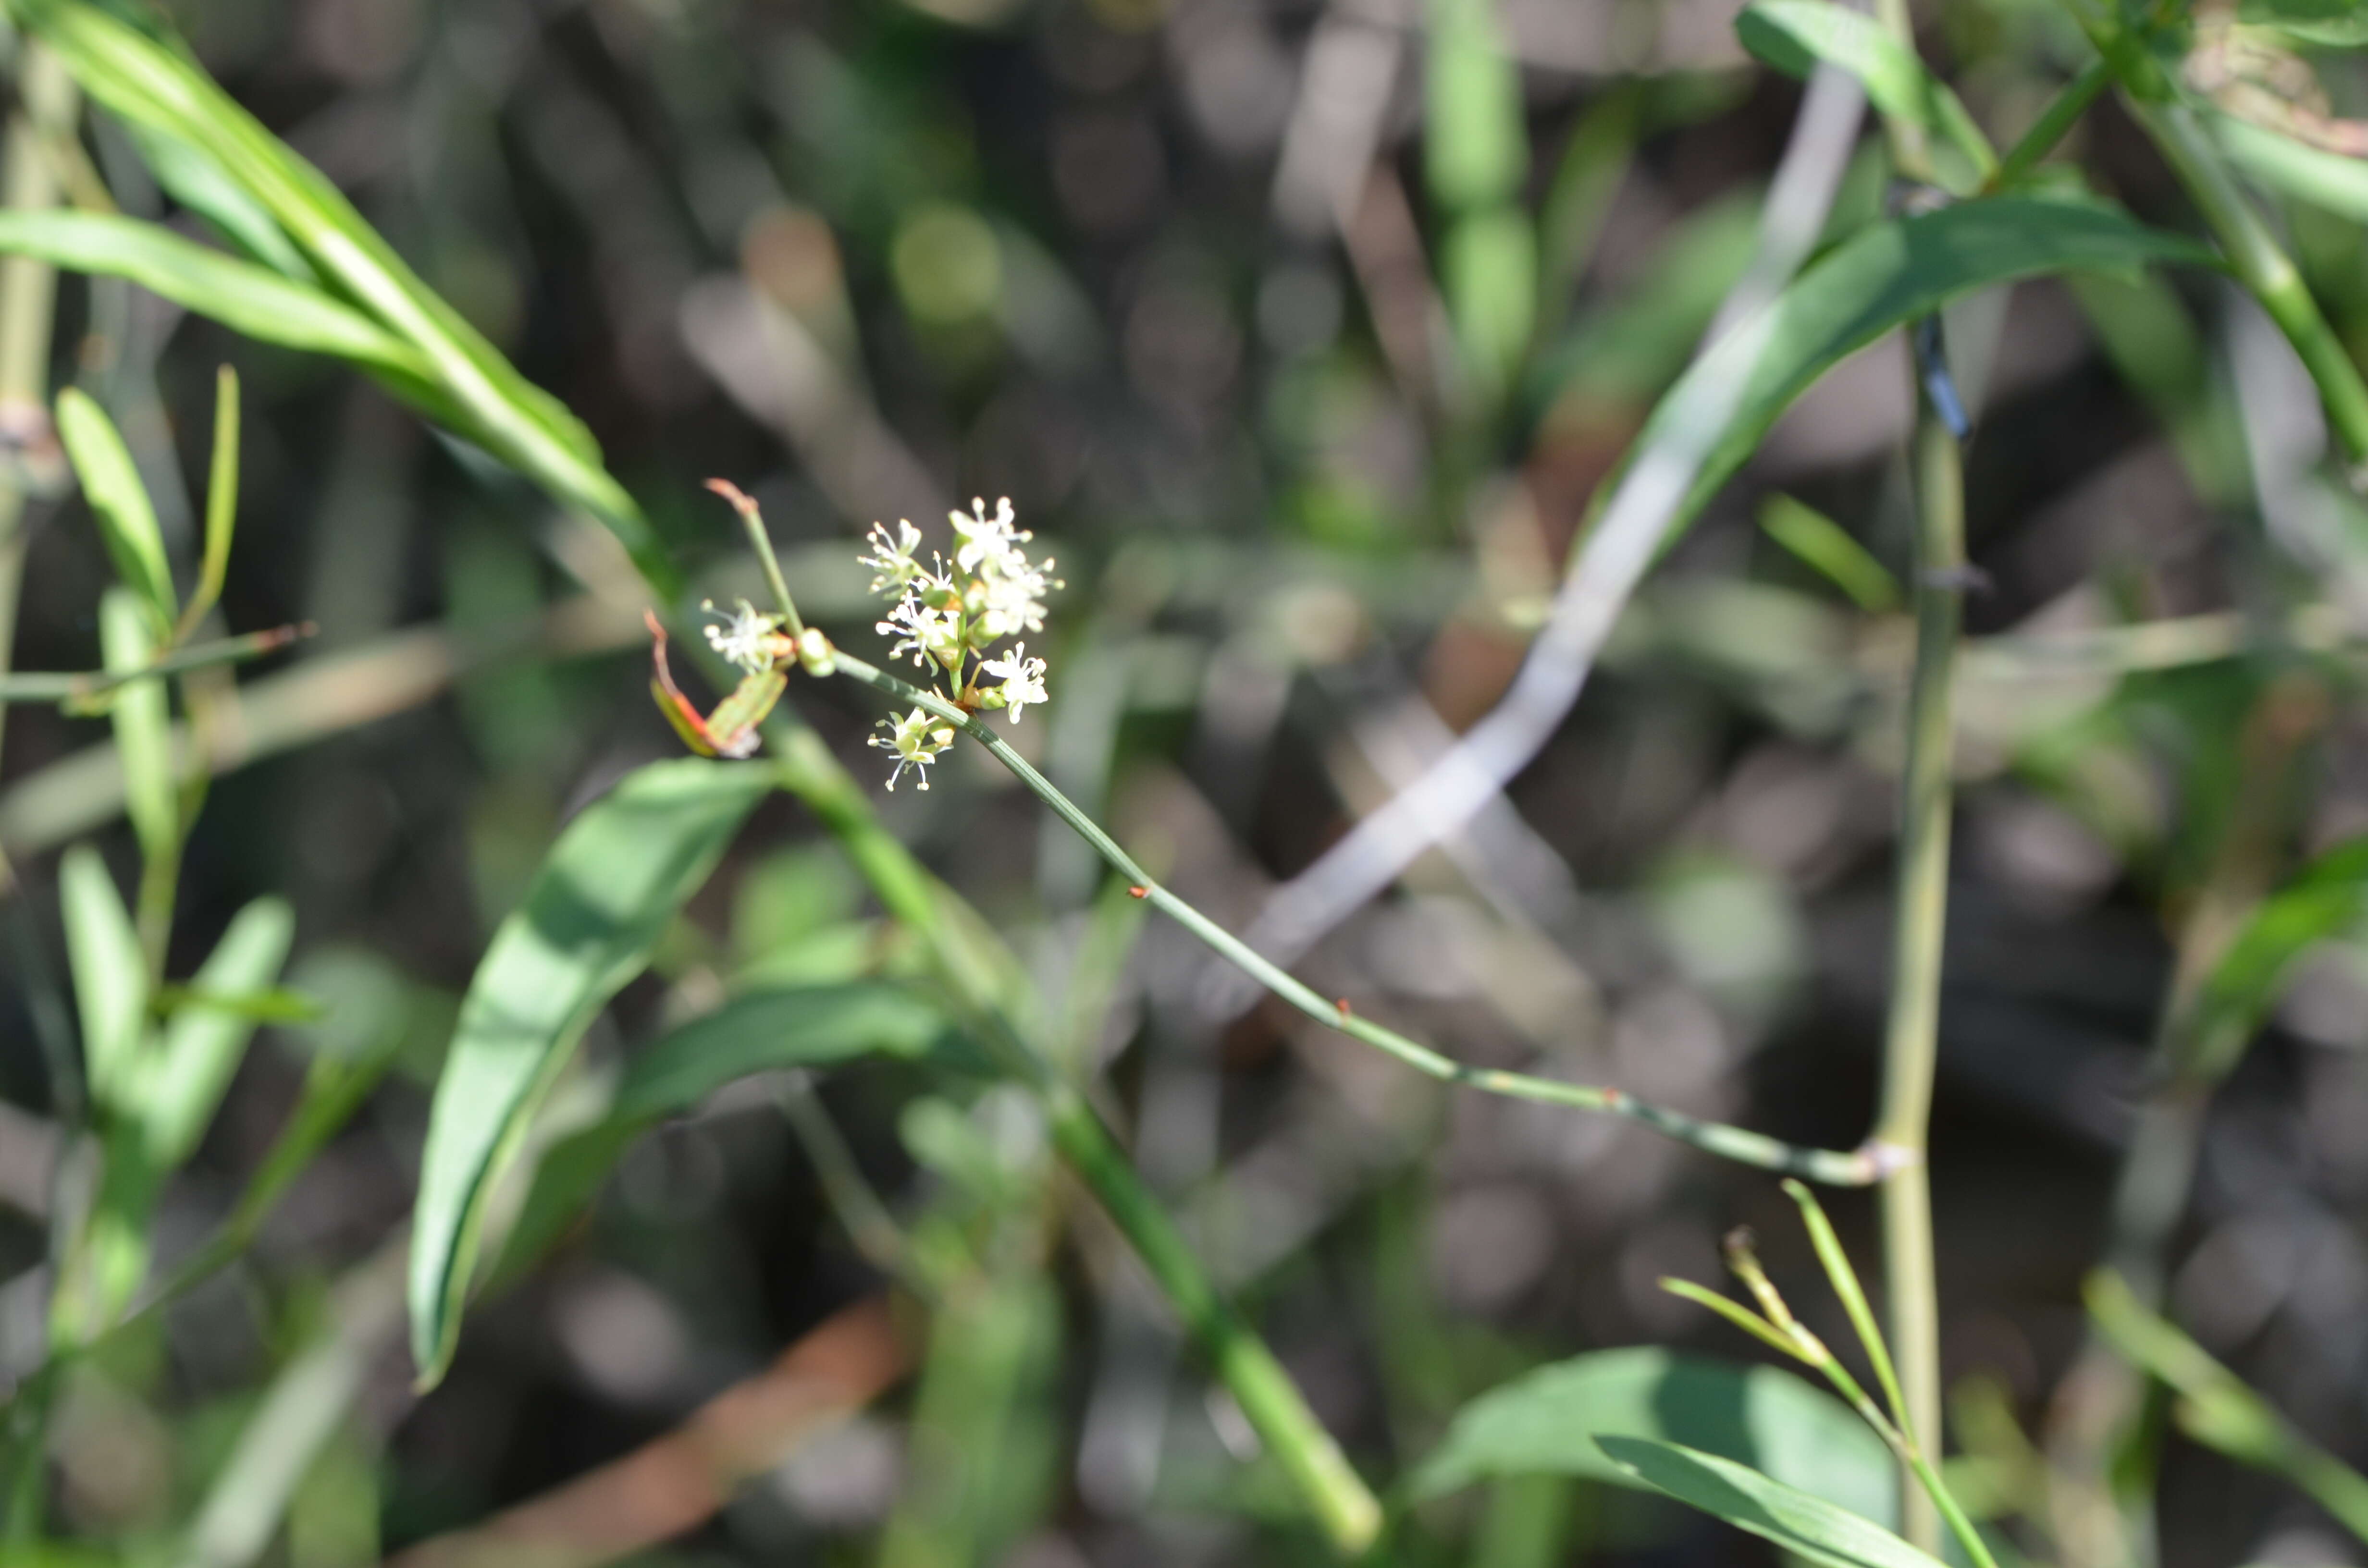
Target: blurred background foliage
1304,334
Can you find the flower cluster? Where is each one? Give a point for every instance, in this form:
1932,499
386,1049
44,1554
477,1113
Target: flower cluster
948,617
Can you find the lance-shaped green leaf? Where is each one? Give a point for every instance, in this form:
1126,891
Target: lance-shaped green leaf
247,299
1809,1527
203,1045
1887,275
197,183
2217,1409
142,722
110,977
1792,36
222,503
150,82
770,1030
1550,1421
620,872
2330,181
2337,24
118,504
2327,898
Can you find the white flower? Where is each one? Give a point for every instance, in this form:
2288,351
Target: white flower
745,639
1023,678
985,538
923,630
916,740
894,566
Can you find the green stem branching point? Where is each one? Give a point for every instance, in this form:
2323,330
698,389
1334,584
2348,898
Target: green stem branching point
1836,1167
2058,118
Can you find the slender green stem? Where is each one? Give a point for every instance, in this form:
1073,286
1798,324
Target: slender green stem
2066,107
1919,923
2261,265
1833,1166
762,542
1269,1401
80,688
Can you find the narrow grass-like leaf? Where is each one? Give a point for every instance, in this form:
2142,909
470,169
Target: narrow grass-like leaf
1736,1312
118,504
606,892
2337,24
110,977
770,1030
222,503
1852,1296
1794,1520
2325,899
2330,181
150,82
1884,277
203,1045
248,299
1551,1420
197,183
143,726
1792,36
2217,1409
1824,545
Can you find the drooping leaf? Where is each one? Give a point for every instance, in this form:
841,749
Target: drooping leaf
202,1046
606,892
2325,898
1792,36
1884,277
2217,1409
769,1030
118,504
148,81
1794,1520
248,299
1551,1419
2330,181
110,977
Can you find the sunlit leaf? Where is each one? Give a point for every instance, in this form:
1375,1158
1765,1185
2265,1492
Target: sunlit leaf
606,892
1551,1419
110,978
119,503
1792,36
142,722
202,1046
1800,1523
2330,181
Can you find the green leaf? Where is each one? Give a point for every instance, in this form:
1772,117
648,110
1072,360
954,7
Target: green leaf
1800,1523
110,977
2216,1407
2325,899
222,503
1884,275
1474,142
1792,36
245,297
606,892
118,504
806,1026
143,727
151,83
197,183
2336,23
2305,173
203,1045
1826,546
1551,1420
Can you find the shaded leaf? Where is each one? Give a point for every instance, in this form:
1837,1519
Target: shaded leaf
142,722
768,1030
1795,1520
1551,1419
606,892
2323,900
2330,181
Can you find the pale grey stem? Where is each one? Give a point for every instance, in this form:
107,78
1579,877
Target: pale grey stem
1610,564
